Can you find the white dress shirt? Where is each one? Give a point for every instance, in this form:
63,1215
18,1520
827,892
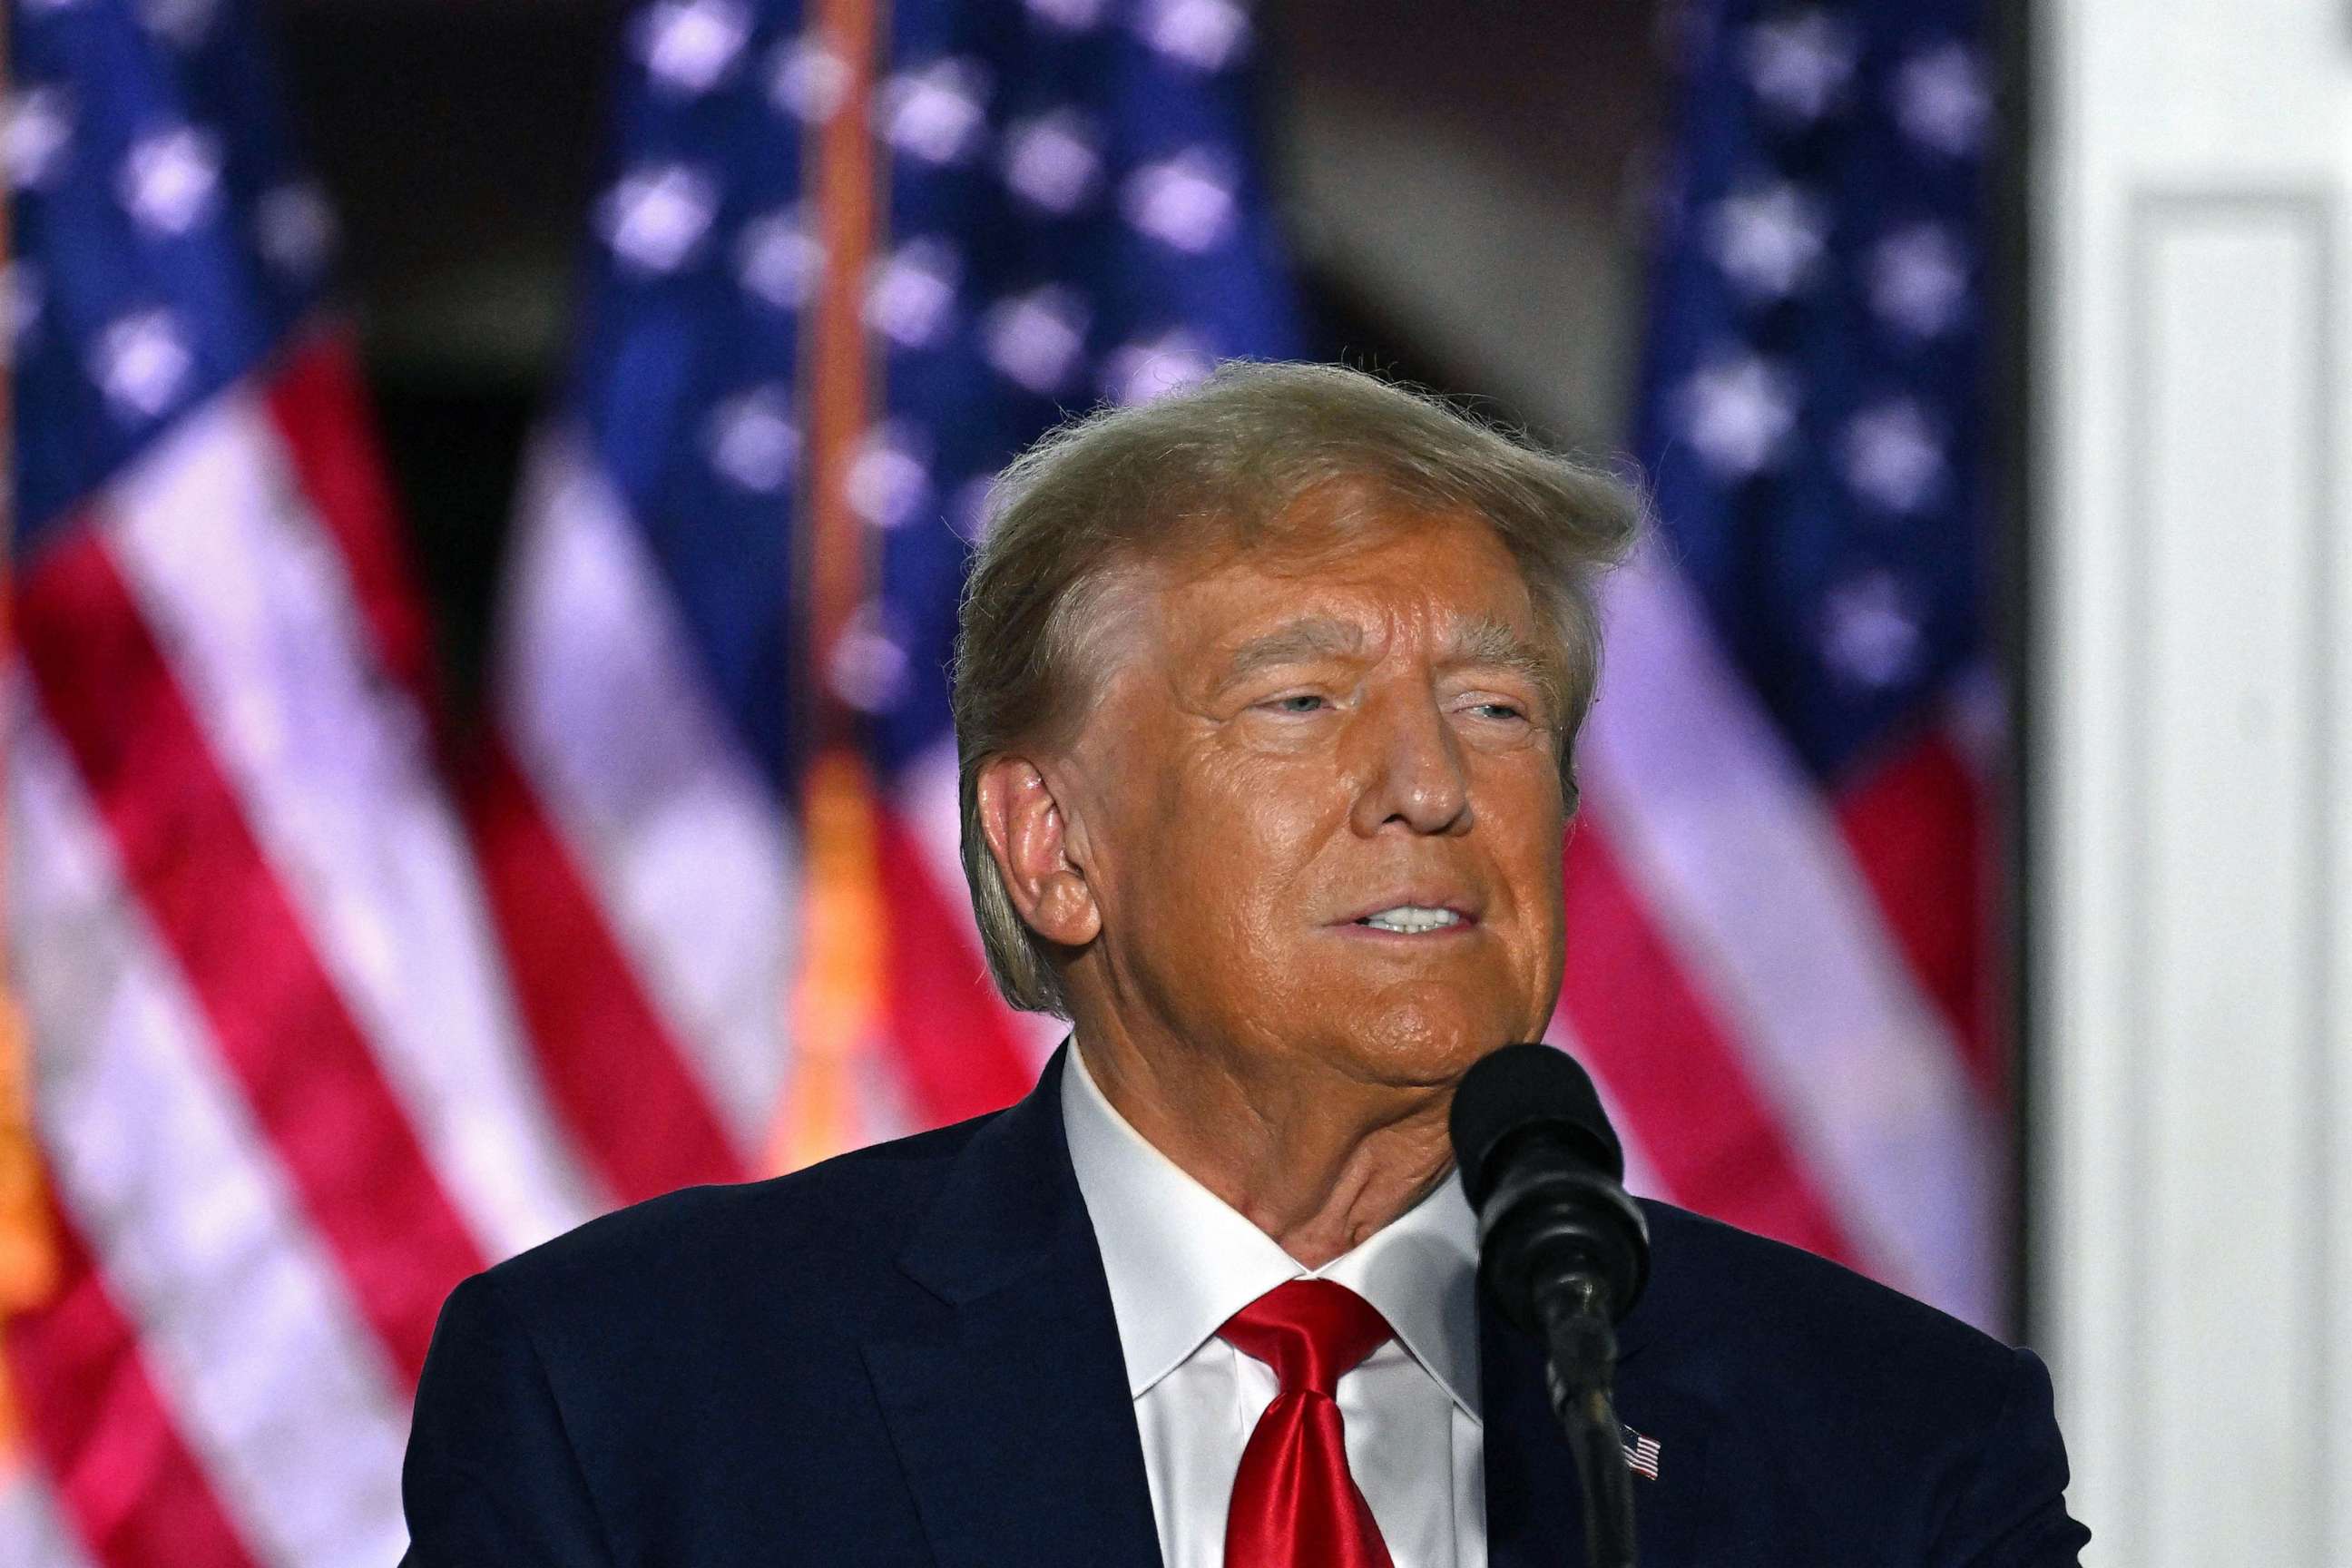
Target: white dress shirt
1182,1261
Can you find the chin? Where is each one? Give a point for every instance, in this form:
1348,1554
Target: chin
1425,1045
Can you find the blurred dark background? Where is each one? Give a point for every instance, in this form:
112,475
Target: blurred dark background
1463,188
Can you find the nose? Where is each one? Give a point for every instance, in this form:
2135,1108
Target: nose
1410,763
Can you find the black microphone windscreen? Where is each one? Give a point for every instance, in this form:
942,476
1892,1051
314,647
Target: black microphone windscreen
1521,1088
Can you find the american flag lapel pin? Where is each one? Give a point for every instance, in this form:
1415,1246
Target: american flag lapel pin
1640,1453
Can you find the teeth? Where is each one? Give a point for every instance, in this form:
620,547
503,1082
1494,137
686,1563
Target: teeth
1411,918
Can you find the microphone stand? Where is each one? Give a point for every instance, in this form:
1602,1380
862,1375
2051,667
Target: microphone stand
1562,1250
1582,1372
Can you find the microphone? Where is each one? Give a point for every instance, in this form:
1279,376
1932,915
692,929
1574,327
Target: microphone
1562,1250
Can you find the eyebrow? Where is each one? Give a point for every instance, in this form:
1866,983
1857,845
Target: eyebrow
1487,641
1318,636
1484,641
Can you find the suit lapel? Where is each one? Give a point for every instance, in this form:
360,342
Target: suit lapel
1535,1517
1012,1421
1534,1508
1012,1418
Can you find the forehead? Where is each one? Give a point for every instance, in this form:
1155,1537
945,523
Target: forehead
1443,572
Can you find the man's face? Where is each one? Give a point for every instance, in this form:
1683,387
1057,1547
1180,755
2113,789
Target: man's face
1322,814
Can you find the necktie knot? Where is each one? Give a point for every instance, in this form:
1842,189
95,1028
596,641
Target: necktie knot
1311,1332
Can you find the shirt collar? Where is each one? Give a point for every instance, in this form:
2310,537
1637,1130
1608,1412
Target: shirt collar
1181,1260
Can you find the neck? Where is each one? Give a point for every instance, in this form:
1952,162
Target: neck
1314,1158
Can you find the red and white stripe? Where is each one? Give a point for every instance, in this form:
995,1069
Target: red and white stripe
283,1087
108,1462
262,1357
31,1528
1641,1454
1737,984
685,861
677,838
231,568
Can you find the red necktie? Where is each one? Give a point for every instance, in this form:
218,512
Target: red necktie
1295,1504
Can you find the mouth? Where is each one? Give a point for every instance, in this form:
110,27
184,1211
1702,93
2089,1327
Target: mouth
1415,920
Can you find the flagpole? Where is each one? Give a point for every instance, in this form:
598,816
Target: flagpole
838,368
28,1264
836,1001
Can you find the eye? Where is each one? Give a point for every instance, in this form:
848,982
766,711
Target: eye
1504,712
1296,702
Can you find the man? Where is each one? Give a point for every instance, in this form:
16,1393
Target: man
1266,697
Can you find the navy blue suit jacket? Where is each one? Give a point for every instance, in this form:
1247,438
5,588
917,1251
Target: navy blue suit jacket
908,1356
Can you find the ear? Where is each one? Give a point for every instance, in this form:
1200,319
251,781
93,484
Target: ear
1028,835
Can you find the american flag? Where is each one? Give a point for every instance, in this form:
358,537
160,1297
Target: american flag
1640,1453
280,1090
834,287
1781,895
323,1020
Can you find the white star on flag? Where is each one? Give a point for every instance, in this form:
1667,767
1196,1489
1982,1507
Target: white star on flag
142,361
888,477
937,113
688,46
656,217
1737,413
806,78
1036,338
753,440
968,509
1139,372
1186,201
1769,241
1053,159
1799,65
1919,280
169,179
777,260
1871,634
913,292
868,668
1941,100
40,127
1892,456
1208,34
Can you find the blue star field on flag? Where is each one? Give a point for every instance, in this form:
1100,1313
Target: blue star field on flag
1072,215
164,239
1814,417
